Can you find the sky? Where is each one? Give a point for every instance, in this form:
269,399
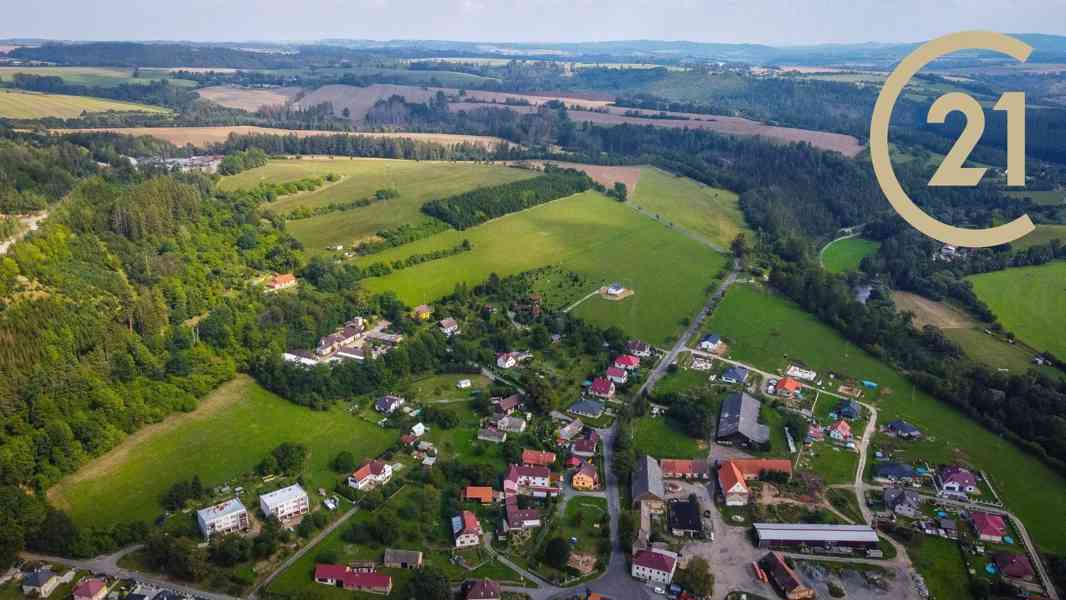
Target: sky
779,23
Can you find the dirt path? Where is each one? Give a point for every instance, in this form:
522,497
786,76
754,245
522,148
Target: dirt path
30,224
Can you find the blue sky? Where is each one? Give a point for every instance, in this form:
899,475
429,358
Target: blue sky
754,21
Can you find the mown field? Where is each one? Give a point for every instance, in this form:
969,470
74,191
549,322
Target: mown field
1042,235
417,182
91,76
1046,197
841,256
32,105
1028,301
766,330
587,234
710,213
231,431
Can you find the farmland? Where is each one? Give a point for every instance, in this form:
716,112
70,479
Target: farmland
844,255
230,432
710,213
33,105
90,76
249,99
1043,234
1028,301
765,330
587,234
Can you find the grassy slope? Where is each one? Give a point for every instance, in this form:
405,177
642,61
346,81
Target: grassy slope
417,182
234,429
845,255
91,76
1042,235
586,233
1029,301
32,105
712,213
765,328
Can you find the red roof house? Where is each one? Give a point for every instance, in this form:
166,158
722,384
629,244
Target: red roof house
90,589
989,527
602,387
627,362
341,576
840,430
617,375
1014,566
537,458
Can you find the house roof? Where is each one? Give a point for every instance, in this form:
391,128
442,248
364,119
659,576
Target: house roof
892,470
777,569
900,426
637,346
736,373
448,323
647,479
585,444
800,532
616,372
222,509
684,467
601,385
510,402
848,407
423,308
402,556
466,522
38,578
372,468
729,476
711,338
959,475
494,434
627,360
988,524
752,467
571,429
350,579
897,496
1016,566
842,427
88,588
740,414
788,384
478,492
684,515
482,589
388,402
283,495
284,279
515,472
516,517
587,407
588,470
654,560
537,457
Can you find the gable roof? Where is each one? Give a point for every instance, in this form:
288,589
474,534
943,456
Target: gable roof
842,427
510,402
788,384
88,588
601,385
735,373
1016,566
752,467
466,522
959,475
784,578
588,470
892,470
901,426
897,496
988,524
482,589
571,429
478,492
684,467
373,468
617,372
587,407
627,360
386,403
654,560
516,517
647,479
711,338
38,578
515,472
537,457
402,556
730,476
740,414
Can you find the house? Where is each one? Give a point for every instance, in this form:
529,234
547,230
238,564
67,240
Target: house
617,375
402,559
449,326
683,517
344,577
602,388
800,373
585,478
90,589
647,482
958,480
478,493
755,468
518,519
903,430
710,342
654,566
506,360
989,527
1014,566
616,289
300,357
891,472
286,503
638,348
738,423
586,407
585,446
481,589
282,281
673,468
788,387
537,458
463,384
494,436
222,518
735,375
902,501
840,431
388,404
371,474
834,538
570,430
627,362
511,424
506,406
40,583
522,477
423,312
418,430
732,483
783,578
466,529
848,409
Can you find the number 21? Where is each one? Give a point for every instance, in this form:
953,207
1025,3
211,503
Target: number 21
952,172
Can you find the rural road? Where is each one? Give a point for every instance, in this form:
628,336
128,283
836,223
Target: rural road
853,231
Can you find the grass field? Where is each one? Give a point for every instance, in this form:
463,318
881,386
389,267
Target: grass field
587,234
1046,197
660,437
231,431
90,76
1028,301
765,330
841,256
710,213
32,105
1040,237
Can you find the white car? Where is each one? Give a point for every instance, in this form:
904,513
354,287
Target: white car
659,590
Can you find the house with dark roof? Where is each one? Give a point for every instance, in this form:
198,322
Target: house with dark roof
683,517
508,405
481,589
710,342
738,423
1014,566
903,429
783,578
735,374
586,407
647,482
848,409
40,583
402,559
516,518
492,435
388,404
638,348
893,472
902,501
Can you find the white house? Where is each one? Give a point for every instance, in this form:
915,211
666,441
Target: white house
466,529
506,360
710,342
449,326
371,474
463,384
654,566
225,517
523,476
418,430
286,503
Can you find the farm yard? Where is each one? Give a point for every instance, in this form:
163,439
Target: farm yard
226,436
841,256
769,332
710,213
1028,301
33,105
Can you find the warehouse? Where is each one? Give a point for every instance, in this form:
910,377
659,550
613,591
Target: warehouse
831,538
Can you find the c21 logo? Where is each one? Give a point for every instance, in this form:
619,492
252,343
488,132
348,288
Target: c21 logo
951,172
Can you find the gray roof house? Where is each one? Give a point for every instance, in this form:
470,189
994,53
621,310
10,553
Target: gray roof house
647,481
586,407
902,501
735,375
738,423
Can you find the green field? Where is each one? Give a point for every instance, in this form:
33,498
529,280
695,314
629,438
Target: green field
585,233
32,105
765,329
417,182
710,213
227,436
660,437
1046,197
1028,301
995,352
841,256
89,76
1040,237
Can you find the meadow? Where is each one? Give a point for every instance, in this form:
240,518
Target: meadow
229,433
767,330
1028,301
92,76
662,438
588,234
1044,233
841,256
710,213
33,105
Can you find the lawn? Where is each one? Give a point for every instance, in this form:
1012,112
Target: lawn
460,443
711,213
90,76
764,329
1043,234
1028,301
231,431
939,561
995,352
841,256
588,234
662,438
33,105
417,182
582,520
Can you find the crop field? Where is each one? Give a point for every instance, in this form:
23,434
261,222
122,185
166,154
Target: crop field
766,330
1028,301
33,105
359,100
710,213
230,432
841,256
249,99
588,234
90,76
